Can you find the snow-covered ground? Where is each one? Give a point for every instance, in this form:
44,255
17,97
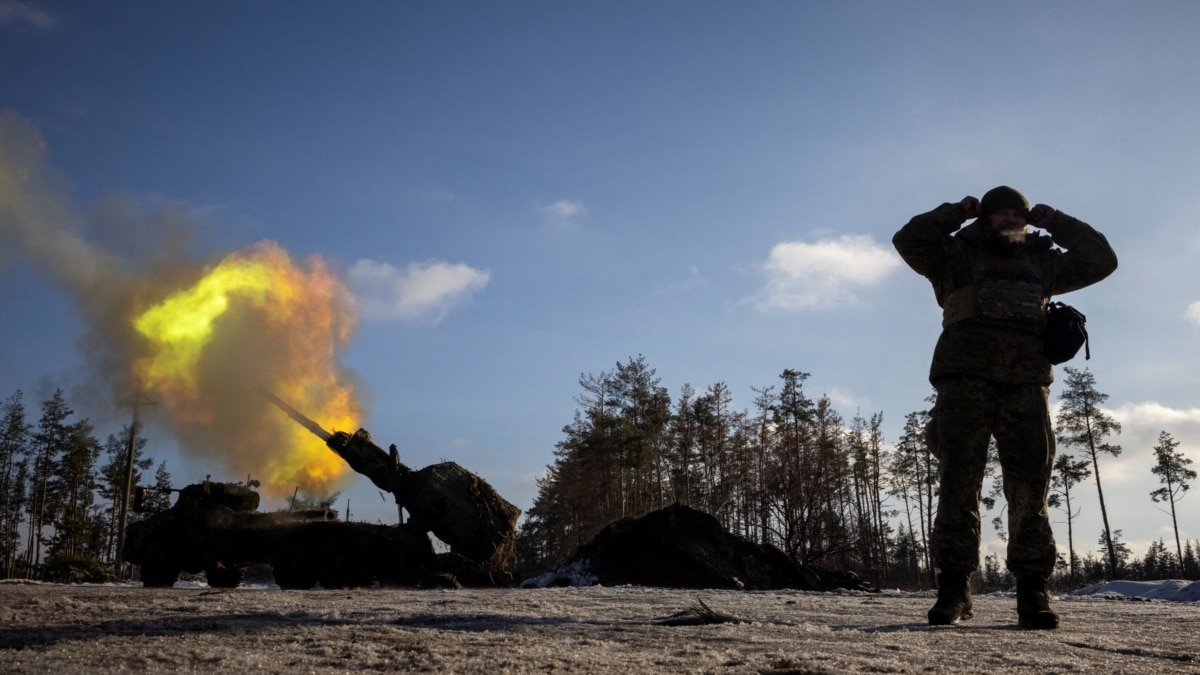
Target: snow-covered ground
1176,590
1129,627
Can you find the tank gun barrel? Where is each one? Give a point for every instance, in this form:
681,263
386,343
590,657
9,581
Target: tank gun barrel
296,415
357,449
455,504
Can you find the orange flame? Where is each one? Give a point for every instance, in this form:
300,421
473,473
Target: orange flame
255,320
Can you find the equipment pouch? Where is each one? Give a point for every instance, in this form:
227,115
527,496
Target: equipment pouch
1066,332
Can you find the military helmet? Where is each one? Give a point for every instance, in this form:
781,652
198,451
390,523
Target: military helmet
1002,197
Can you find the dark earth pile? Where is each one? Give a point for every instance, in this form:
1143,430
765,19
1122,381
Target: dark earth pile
680,547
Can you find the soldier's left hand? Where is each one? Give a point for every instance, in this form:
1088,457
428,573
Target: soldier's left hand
1041,215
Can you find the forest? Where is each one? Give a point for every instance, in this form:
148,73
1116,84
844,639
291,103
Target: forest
790,472
837,495
62,492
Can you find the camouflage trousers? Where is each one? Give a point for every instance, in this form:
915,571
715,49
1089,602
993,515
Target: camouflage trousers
968,413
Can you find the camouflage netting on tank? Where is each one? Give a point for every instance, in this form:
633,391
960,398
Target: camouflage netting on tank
465,512
453,503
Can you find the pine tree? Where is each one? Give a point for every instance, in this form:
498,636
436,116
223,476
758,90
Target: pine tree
1081,423
791,485
159,498
714,427
1172,471
1191,561
14,448
907,554
604,469
112,480
683,474
762,445
643,407
866,448
50,440
995,493
1158,563
914,479
995,577
831,534
1068,472
78,528
1120,550
906,480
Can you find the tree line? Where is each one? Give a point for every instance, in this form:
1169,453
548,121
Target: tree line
62,491
791,472
794,473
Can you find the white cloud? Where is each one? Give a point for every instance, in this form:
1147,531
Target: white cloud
844,399
823,274
1193,312
1141,424
419,291
1128,481
563,213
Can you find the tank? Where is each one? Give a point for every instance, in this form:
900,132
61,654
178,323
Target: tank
461,508
216,528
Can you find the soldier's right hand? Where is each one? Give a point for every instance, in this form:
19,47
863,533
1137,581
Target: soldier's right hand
970,207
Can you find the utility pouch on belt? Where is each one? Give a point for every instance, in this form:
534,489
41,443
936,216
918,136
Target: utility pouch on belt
1066,332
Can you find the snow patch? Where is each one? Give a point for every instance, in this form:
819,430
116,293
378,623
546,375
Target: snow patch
575,573
1174,590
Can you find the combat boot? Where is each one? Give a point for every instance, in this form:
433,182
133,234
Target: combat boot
953,600
1033,604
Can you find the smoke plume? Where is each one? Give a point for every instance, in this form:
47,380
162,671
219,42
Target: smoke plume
197,337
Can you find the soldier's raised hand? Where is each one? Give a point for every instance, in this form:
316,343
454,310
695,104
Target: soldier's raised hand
1041,215
970,207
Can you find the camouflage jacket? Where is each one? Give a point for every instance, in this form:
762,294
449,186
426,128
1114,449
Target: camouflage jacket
993,294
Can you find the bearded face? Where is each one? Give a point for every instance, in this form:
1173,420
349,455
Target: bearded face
1008,229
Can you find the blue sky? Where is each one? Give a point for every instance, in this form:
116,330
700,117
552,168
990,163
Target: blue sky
523,192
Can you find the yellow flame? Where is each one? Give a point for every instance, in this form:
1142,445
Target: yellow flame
182,324
255,320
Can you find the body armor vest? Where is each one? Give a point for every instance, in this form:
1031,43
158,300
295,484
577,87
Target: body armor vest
1004,291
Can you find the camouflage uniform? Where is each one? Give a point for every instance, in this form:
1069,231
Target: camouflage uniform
991,377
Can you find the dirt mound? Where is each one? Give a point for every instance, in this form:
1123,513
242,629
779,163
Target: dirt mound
680,547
